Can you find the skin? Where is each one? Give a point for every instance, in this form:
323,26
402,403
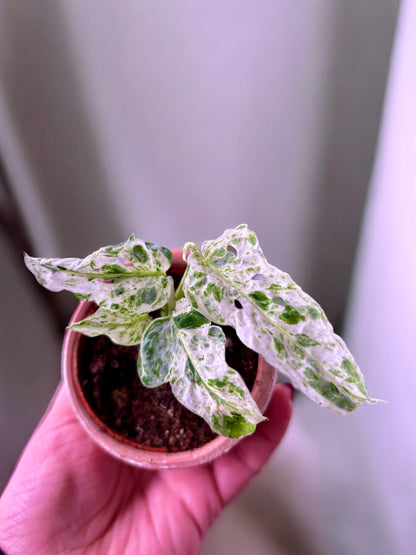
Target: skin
68,496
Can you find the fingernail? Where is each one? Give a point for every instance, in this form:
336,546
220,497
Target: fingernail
289,388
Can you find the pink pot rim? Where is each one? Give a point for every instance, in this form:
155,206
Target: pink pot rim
127,450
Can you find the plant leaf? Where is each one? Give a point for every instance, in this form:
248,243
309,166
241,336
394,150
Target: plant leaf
188,351
122,328
129,277
231,283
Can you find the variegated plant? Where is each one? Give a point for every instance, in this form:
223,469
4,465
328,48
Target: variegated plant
227,282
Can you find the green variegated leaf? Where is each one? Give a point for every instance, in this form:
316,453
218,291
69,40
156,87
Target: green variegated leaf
231,283
158,352
186,350
129,277
122,328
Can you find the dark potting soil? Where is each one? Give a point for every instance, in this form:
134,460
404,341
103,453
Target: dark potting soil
149,417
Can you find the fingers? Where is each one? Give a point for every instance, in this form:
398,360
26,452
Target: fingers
234,470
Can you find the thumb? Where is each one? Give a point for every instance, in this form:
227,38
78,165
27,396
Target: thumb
234,470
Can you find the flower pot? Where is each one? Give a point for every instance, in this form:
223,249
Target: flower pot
126,449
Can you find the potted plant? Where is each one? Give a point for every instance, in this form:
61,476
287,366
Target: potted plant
175,328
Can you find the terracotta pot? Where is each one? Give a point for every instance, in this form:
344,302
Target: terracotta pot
125,449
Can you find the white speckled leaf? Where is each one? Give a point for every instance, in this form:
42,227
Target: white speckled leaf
232,283
129,277
186,350
122,328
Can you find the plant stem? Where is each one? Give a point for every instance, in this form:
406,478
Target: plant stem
171,301
164,311
170,305
179,291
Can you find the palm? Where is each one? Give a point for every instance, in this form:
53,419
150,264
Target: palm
69,495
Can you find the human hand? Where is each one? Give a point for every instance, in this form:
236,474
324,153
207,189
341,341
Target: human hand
68,495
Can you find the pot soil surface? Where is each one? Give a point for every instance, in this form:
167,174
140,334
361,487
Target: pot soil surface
152,418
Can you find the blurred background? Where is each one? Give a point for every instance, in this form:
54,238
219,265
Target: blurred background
177,120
